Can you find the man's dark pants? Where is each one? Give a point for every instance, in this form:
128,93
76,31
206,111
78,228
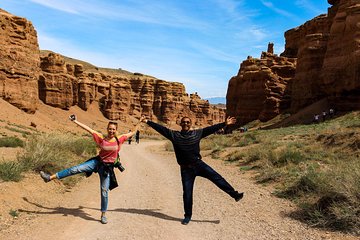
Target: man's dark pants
188,175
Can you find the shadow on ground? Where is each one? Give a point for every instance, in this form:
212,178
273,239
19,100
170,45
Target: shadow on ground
79,212
155,213
76,212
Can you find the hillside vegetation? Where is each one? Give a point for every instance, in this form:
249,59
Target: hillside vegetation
317,166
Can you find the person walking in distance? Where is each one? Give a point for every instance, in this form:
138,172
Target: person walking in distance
137,136
130,138
103,163
187,151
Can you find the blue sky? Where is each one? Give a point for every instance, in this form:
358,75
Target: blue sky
200,43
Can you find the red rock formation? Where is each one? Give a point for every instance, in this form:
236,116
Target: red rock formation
56,86
64,85
26,77
261,88
328,61
19,62
328,57
340,73
309,44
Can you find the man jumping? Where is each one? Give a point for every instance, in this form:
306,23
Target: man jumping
187,150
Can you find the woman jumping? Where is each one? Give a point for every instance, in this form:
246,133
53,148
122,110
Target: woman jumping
103,163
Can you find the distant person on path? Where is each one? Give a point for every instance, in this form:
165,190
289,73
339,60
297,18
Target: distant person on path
324,114
316,118
187,150
331,112
137,136
103,163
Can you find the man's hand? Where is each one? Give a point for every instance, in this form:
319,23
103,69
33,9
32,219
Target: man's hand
230,120
72,117
143,119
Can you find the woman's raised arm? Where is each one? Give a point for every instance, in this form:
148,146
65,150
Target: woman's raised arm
133,131
87,128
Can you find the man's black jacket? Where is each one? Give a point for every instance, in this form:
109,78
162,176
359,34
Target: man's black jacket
186,143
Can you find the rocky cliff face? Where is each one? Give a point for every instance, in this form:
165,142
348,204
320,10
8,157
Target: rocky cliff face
119,96
26,75
308,43
326,54
19,62
340,73
328,57
261,89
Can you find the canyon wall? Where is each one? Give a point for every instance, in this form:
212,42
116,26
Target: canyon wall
325,53
28,75
119,96
19,62
262,88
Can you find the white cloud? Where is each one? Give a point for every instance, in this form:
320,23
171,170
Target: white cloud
136,11
251,35
213,53
271,6
71,49
58,5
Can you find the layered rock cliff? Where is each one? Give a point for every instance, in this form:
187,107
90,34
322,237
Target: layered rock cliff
63,85
19,62
340,73
26,75
326,54
262,87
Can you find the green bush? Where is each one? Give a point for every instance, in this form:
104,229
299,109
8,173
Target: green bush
51,153
17,130
10,171
245,139
11,142
287,156
14,213
235,156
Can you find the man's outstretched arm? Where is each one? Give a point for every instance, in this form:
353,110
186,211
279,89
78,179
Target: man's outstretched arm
212,129
166,132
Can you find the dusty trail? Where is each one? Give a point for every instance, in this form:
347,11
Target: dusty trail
148,205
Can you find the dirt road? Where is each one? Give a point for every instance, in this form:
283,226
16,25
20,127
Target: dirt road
148,205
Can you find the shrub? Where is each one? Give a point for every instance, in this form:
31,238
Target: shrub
14,213
268,175
51,153
235,156
287,156
23,132
11,142
10,171
248,139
